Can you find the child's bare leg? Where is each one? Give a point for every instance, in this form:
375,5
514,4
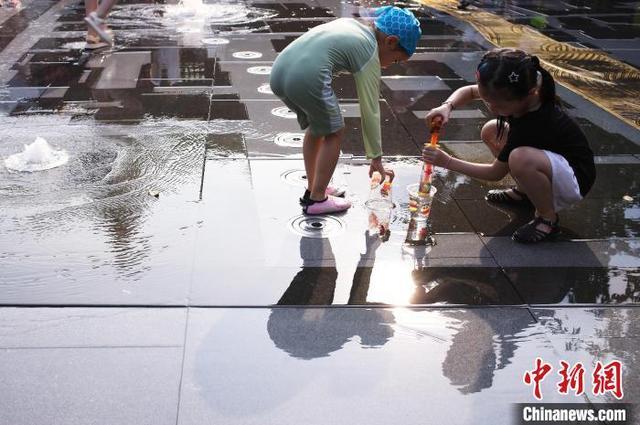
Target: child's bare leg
327,159
531,168
310,147
105,7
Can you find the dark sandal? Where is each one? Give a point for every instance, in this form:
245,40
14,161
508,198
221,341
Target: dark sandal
500,196
529,233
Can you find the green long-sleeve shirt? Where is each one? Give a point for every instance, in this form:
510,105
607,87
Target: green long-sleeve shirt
302,74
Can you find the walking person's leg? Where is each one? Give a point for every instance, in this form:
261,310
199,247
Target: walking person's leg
96,19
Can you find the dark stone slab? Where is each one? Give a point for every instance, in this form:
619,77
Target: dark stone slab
43,75
575,285
420,67
604,143
279,44
395,140
241,81
228,110
296,10
56,43
613,181
588,219
137,106
463,285
300,26
246,43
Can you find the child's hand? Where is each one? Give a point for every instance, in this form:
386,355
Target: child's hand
443,110
376,165
433,155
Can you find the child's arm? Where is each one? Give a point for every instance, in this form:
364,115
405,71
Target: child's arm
492,172
458,98
368,87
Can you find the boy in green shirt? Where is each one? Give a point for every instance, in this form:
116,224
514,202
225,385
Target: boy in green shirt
301,78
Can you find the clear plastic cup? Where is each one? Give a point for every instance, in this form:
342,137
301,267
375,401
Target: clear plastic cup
420,204
379,215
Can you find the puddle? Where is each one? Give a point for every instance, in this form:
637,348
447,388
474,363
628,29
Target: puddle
316,227
100,173
289,139
189,13
247,55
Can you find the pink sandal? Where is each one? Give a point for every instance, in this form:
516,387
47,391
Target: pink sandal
330,191
330,205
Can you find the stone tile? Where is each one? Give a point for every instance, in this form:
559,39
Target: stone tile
77,386
588,219
248,85
463,285
295,9
91,327
615,181
266,125
294,26
600,253
239,44
325,352
339,263
603,142
420,67
576,285
616,159
590,335
414,83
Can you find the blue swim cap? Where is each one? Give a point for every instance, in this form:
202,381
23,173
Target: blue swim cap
392,20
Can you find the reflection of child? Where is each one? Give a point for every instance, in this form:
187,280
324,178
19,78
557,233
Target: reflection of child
532,139
301,77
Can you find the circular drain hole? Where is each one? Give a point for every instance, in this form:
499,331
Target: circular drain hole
265,89
289,139
283,112
260,70
215,41
316,227
247,55
295,177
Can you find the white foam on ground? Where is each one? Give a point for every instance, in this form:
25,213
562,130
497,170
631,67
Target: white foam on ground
37,156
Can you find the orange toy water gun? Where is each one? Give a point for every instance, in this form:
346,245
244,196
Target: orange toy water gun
427,169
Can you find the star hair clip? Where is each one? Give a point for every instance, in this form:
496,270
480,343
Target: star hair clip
513,77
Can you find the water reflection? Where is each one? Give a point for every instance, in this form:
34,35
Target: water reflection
483,344
598,335
311,333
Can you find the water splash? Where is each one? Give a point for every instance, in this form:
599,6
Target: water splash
37,156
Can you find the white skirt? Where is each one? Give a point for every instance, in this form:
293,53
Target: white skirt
566,190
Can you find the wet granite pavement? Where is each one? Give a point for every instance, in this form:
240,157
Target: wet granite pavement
214,302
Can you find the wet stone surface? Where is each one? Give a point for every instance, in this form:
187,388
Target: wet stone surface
181,189
201,83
